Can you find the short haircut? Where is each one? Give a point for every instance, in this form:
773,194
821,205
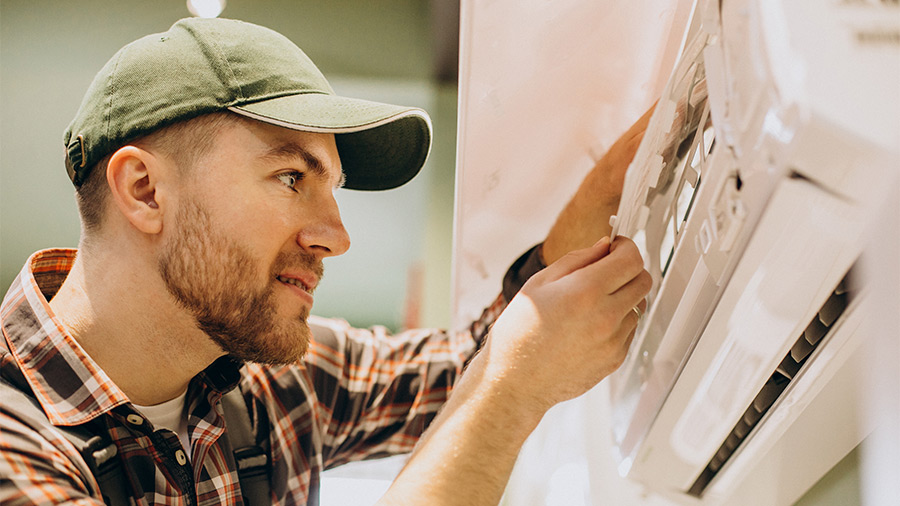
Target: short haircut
184,142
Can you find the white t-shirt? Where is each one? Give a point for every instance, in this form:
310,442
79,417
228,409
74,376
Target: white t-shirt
170,415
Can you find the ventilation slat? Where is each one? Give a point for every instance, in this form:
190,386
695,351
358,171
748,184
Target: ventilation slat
801,349
770,391
833,308
788,367
815,331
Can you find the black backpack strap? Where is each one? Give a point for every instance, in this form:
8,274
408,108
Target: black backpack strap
91,440
250,444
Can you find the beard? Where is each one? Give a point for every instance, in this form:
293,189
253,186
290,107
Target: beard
213,277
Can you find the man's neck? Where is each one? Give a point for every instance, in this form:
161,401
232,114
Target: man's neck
125,320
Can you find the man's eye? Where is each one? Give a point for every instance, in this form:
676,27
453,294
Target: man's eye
290,179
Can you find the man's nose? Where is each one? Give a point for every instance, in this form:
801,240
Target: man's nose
326,235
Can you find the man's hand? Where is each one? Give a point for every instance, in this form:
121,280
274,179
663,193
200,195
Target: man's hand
569,327
585,218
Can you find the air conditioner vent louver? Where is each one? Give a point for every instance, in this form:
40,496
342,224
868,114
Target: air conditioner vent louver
809,339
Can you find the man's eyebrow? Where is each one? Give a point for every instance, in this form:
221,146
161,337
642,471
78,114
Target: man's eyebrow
291,151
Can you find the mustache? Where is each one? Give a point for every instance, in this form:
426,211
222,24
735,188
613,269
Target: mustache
300,260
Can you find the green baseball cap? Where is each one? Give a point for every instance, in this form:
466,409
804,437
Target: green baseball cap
202,66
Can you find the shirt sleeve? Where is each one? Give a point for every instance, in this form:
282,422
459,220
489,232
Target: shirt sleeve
521,270
379,391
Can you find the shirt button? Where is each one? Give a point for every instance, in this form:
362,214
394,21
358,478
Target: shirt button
180,457
134,419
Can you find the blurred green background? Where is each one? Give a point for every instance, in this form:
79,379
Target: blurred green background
401,51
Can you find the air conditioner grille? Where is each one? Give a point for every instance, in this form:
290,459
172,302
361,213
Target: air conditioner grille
827,315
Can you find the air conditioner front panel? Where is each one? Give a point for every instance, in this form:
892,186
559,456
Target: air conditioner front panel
787,271
797,157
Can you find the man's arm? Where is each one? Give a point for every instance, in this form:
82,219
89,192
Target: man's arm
569,327
585,219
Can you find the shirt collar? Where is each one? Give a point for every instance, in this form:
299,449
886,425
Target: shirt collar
70,386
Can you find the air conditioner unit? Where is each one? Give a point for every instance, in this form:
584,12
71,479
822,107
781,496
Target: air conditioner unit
749,197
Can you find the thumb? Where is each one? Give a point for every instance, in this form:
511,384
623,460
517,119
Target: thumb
577,259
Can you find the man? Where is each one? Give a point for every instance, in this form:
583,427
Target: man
205,161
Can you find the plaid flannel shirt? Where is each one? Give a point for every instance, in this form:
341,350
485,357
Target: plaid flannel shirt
357,394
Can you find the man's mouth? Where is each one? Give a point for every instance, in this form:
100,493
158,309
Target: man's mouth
296,282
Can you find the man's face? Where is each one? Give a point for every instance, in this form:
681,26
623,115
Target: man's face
254,218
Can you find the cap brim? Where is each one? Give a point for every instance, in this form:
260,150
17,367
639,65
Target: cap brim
381,146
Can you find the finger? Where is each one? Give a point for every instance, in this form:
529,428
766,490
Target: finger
633,294
578,259
623,263
634,315
631,320
624,336
637,311
619,241
629,339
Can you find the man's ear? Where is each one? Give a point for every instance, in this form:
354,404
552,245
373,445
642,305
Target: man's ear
133,176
